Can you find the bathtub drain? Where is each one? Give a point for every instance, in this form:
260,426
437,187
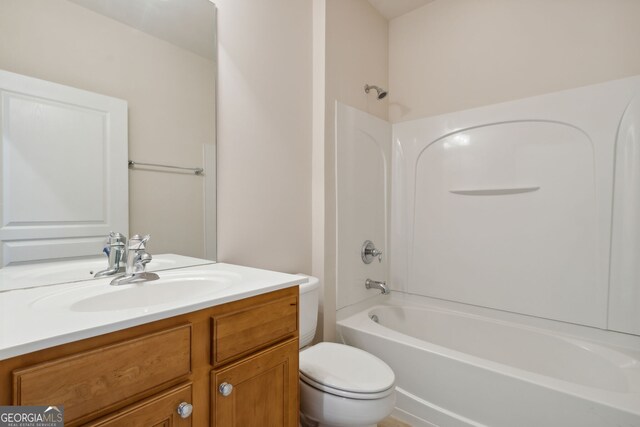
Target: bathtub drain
374,318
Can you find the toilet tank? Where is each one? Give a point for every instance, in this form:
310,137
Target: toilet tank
308,311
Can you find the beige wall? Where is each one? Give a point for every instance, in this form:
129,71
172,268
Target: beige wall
356,52
318,149
171,96
264,133
264,156
455,54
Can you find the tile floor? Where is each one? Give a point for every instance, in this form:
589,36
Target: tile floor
392,422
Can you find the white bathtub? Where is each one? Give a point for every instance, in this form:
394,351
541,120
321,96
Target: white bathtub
456,369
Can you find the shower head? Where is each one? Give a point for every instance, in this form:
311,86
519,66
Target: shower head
381,92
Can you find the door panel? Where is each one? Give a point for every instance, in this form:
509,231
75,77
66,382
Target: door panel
265,390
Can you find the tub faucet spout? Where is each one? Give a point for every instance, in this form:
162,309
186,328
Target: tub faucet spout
374,284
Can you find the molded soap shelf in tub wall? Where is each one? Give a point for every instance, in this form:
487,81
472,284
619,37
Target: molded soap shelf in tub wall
509,207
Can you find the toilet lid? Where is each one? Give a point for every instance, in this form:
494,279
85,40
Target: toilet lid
346,371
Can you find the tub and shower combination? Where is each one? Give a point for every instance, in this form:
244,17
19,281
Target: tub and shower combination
457,369
514,241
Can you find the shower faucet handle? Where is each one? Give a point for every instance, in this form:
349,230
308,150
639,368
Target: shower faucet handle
369,252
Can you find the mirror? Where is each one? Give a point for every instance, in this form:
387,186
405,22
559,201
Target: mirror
157,55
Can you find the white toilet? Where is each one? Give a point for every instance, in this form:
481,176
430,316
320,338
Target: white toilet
340,385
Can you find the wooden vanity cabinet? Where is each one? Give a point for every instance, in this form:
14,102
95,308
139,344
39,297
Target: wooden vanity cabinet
157,411
260,387
264,388
141,375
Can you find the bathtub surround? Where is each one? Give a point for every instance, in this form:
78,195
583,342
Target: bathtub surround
504,213
509,206
356,52
363,183
624,298
456,54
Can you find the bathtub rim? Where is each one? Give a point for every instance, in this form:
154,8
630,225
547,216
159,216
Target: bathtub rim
620,341
627,402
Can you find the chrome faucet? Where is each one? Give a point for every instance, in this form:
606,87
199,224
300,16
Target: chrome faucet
374,284
137,258
115,250
369,251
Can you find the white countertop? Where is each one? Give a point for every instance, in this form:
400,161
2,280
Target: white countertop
33,319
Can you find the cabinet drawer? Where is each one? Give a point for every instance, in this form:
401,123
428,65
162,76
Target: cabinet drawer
100,379
240,332
158,411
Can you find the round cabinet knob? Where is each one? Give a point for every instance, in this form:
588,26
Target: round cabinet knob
225,389
185,409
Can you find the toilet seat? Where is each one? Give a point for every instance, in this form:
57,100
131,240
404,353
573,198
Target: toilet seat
346,371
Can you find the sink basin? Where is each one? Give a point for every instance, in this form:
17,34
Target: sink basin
172,287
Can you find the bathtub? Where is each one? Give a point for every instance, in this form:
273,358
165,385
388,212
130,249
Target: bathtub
458,369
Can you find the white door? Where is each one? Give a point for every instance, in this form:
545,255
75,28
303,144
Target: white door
63,154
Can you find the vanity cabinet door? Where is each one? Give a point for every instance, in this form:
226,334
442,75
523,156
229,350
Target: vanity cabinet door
158,411
261,391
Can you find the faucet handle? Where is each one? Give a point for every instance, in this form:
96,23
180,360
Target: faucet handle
145,258
140,265
115,238
138,242
369,251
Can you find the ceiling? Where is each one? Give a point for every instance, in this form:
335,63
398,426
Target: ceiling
166,19
393,8
189,24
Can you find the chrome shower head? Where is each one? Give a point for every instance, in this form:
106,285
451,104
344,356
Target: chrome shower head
381,92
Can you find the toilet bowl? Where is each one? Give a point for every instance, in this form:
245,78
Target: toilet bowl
344,386
340,385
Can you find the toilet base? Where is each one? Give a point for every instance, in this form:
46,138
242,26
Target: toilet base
320,409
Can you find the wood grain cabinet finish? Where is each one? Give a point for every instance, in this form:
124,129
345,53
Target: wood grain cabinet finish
136,376
264,393
101,378
158,411
241,332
